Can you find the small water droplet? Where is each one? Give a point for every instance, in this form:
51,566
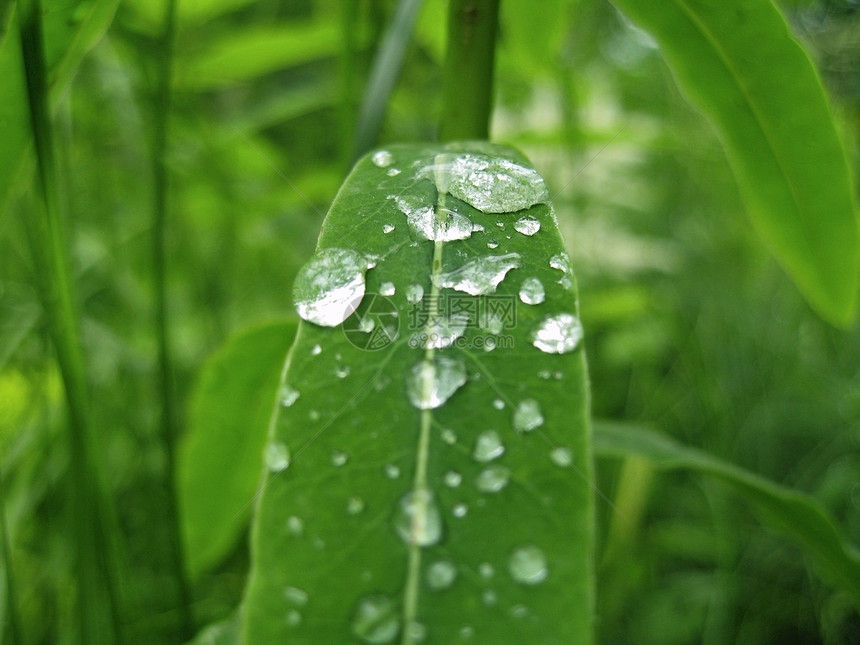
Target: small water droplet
366,324
453,479
519,611
498,404
342,371
561,456
493,478
486,570
314,415
316,350
296,596
532,291
338,458
449,436
492,244
488,446
527,416
466,632
416,631
354,505
430,383
477,228
288,396
387,228
489,597
557,334
460,510
392,471
414,293
330,286
295,525
382,158
527,225
527,565
293,618
441,574
376,620
387,289
418,518
561,262
479,276
393,172
277,456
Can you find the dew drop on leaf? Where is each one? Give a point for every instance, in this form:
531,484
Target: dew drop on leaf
466,632
296,596
449,436
532,291
295,525
342,371
414,293
392,471
460,510
480,276
316,350
330,286
354,505
527,416
430,224
561,456
527,565
498,404
561,262
492,245
387,289
277,456
527,225
338,458
489,597
486,570
387,228
293,618
376,620
432,382
416,631
557,334
493,478
452,479
418,520
441,331
488,446
441,575
382,158
288,396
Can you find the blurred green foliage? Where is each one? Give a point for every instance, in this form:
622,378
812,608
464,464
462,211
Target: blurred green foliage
690,325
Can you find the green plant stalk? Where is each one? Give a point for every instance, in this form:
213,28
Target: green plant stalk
467,93
15,631
169,413
98,601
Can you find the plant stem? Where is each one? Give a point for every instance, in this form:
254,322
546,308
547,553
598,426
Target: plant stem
98,602
15,632
169,415
467,94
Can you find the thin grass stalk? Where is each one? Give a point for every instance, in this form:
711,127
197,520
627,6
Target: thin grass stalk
166,376
15,632
98,601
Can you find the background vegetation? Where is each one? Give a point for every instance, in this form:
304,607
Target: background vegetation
691,327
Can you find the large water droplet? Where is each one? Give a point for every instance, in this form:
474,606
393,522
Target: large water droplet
430,383
527,225
414,293
557,334
488,446
330,286
288,396
376,620
532,291
382,158
527,416
561,262
418,520
438,226
561,456
527,565
441,574
481,275
493,478
277,456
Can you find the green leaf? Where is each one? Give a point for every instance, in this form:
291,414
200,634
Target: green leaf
738,63
402,505
230,411
799,516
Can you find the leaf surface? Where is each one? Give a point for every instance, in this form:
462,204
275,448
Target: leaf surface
422,488
738,63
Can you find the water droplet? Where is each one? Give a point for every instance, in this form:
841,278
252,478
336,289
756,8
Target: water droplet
376,620
486,570
430,383
387,228
293,618
498,404
392,471
449,436
528,565
557,334
460,510
527,416
316,350
314,415
354,505
532,291
330,286
441,331
477,228
416,631
382,158
418,518
366,324
492,245
387,289
277,456
493,479
561,456
393,172
289,395
490,321
296,596
527,225
295,525
414,293
338,458
342,371
441,574
452,479
438,226
519,611
479,276
466,632
489,597
561,262
488,446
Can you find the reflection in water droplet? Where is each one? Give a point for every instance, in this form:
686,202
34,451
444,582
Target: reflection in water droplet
557,334
418,520
293,618
488,446
354,505
387,289
296,596
382,158
453,479
561,456
532,291
449,436
430,383
441,574
387,228
527,225
392,471
339,458
479,276
277,456
414,293
527,416
460,510
527,565
295,525
493,479
289,395
376,620
330,286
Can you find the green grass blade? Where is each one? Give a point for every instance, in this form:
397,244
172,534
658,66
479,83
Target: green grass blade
797,515
230,411
421,488
739,64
